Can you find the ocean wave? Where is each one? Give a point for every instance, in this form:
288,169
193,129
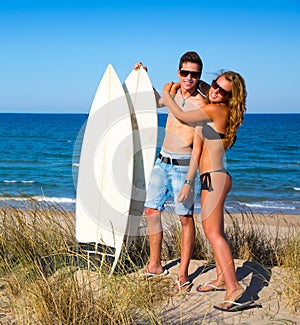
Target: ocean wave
25,202
235,206
39,199
54,199
292,207
68,203
13,181
267,206
296,188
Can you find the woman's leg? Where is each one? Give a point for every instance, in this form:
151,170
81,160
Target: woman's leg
213,225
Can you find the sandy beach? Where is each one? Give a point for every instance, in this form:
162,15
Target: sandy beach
262,284
273,224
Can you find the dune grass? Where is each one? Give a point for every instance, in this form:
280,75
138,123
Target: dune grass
39,269
41,282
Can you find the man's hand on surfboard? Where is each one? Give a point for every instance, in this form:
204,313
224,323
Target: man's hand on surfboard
139,65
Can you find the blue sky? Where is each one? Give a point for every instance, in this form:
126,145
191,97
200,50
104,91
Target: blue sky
54,53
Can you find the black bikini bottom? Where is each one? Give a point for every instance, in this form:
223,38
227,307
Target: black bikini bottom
205,179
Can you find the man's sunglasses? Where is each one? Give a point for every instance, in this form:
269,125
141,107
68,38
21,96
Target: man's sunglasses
222,91
185,73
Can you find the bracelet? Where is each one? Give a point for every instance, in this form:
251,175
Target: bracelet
188,181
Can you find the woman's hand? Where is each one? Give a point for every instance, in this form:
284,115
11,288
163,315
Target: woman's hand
184,193
175,88
166,93
171,87
168,86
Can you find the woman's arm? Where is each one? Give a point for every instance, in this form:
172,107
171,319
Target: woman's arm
173,90
187,117
185,191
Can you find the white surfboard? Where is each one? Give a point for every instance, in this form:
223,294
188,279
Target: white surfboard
142,104
104,186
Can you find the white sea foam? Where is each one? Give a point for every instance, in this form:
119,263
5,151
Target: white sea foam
267,205
264,206
40,199
13,181
296,188
13,199
54,199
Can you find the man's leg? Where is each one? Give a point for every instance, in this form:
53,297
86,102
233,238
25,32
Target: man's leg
155,236
187,246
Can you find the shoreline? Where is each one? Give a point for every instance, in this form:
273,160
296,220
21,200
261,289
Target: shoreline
69,204
270,219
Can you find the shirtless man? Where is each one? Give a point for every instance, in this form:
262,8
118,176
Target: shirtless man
170,172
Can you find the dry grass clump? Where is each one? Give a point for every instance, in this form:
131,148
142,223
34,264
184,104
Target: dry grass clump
44,285
289,261
85,297
249,239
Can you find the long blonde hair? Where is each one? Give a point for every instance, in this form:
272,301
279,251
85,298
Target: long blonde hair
236,105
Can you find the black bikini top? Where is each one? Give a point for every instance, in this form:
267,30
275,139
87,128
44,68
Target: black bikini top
210,133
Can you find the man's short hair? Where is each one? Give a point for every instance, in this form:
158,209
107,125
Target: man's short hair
193,57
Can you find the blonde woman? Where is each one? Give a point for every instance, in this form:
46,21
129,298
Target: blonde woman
220,119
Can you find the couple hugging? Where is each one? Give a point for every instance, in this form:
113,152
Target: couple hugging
200,126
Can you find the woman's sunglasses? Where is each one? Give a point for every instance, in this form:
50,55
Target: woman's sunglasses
185,73
222,91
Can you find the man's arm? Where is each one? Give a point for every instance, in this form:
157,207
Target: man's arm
158,98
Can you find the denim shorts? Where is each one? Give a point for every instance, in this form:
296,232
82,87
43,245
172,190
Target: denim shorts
166,180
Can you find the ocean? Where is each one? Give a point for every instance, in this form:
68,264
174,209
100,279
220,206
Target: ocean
39,157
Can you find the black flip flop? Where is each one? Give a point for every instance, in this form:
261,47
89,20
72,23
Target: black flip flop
237,306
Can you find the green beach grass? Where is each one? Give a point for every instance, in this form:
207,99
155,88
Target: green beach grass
41,283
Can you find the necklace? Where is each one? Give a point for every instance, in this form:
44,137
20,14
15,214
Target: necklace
184,99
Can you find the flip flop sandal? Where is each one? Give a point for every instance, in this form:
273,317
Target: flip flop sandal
149,275
212,288
184,287
235,306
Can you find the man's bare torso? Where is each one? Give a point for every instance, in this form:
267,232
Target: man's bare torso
179,136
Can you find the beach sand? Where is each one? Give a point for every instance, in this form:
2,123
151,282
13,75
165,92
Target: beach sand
264,285
261,284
